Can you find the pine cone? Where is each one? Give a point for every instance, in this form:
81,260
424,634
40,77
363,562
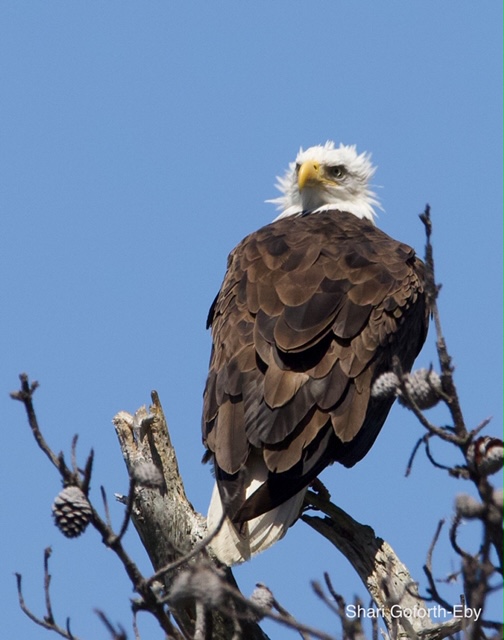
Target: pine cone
486,455
468,507
385,386
262,597
71,511
498,499
198,582
424,387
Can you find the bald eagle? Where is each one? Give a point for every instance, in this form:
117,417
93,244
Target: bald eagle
312,310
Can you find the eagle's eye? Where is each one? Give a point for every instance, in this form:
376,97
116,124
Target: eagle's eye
298,167
337,172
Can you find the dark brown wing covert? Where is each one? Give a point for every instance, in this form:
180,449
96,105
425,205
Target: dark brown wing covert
311,311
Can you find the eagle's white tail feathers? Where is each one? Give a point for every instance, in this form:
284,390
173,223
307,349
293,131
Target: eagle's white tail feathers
259,533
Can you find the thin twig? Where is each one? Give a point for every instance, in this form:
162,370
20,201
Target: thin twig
474,432
445,360
288,616
106,506
88,469
48,621
128,510
47,585
352,628
25,395
433,543
432,589
434,463
73,454
453,538
118,634
413,454
135,625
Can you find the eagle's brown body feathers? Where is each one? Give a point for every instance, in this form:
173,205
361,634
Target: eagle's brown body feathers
311,311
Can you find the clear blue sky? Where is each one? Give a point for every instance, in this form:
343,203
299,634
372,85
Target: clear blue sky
139,141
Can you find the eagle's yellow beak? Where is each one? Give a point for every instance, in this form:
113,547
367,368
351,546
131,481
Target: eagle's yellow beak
309,174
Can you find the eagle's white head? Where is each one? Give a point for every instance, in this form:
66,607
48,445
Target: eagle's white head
325,177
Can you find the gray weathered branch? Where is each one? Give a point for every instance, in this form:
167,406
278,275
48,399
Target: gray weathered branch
168,525
386,578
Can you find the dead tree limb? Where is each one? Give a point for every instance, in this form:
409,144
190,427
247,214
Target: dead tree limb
386,578
165,520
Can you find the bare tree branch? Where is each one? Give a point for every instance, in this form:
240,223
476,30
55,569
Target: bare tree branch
172,532
445,359
25,395
383,574
115,634
48,621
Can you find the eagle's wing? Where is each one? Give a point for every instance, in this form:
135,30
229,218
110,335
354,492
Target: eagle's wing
311,311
